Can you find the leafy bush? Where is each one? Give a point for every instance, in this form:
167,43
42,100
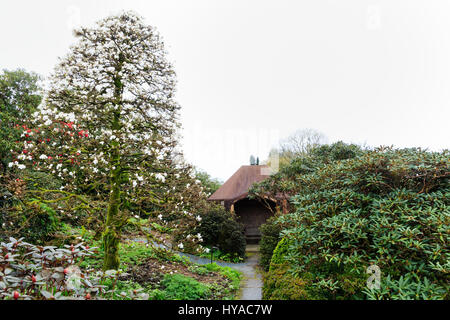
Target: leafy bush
270,236
178,286
280,252
386,207
219,228
20,217
29,272
408,287
280,284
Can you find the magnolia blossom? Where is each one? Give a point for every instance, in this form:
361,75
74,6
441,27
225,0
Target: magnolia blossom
160,177
181,245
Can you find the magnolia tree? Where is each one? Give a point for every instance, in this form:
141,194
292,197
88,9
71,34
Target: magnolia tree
108,122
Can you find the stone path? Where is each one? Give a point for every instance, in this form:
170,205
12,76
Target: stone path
251,285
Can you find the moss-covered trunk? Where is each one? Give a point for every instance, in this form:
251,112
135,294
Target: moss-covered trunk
113,225
111,234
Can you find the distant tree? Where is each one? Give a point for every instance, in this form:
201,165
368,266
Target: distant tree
252,160
209,184
302,141
19,97
297,144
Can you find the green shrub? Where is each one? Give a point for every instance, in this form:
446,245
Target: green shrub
270,236
180,287
219,228
353,208
35,222
389,208
279,284
280,252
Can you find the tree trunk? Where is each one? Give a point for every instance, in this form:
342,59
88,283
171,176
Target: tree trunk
111,234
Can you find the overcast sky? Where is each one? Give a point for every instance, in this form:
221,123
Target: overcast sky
252,72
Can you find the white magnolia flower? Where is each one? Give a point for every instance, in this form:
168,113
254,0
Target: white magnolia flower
160,177
198,218
181,246
43,156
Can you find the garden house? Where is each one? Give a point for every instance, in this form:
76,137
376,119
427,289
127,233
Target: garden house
233,195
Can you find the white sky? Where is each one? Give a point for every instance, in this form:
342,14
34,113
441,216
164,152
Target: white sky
252,72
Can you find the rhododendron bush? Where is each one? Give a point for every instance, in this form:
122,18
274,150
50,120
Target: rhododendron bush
107,128
29,272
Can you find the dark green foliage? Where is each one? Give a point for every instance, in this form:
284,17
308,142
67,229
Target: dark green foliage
270,236
336,151
384,207
178,286
35,222
280,284
219,228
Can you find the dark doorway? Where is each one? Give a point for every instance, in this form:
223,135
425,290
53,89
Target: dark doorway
252,213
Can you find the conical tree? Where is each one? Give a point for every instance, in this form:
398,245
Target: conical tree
116,84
